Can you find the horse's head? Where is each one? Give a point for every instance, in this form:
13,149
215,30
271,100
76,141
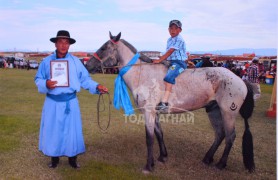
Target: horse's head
106,55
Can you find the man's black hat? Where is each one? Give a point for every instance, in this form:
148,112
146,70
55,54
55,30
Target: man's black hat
63,34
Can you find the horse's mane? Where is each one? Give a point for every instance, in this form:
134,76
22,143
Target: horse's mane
132,48
143,57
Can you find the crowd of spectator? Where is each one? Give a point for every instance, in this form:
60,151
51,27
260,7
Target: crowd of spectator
250,70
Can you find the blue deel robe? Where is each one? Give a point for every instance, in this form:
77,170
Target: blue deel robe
61,131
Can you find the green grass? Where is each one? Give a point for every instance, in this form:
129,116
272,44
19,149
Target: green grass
120,153
11,129
267,89
100,170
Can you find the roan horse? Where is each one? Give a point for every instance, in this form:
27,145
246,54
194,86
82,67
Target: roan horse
217,89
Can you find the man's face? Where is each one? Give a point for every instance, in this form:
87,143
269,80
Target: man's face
174,30
62,45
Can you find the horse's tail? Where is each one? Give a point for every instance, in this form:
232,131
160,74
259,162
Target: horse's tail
246,111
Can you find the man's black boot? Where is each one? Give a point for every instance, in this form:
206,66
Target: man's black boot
54,162
73,162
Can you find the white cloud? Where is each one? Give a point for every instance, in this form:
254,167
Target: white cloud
82,2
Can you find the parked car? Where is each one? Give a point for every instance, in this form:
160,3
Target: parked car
20,63
33,64
10,59
1,61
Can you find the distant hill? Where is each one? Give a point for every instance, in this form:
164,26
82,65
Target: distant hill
240,51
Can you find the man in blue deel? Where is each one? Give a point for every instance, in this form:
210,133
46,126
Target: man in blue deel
60,76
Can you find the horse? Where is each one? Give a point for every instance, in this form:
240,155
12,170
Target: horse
223,94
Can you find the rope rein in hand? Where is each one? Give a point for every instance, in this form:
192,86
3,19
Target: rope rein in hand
100,97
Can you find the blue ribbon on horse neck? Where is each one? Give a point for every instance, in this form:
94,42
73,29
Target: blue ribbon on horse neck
121,96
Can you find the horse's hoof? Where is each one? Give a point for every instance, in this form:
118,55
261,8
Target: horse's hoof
162,159
221,165
207,161
146,170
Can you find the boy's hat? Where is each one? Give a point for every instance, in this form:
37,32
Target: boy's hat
63,34
176,22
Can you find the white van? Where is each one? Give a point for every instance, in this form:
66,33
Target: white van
20,63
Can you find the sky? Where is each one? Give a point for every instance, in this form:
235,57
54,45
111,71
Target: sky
206,24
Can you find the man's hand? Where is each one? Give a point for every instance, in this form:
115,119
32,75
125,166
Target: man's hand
51,84
102,89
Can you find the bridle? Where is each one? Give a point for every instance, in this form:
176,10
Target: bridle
96,56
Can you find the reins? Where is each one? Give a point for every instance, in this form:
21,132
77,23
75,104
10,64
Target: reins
102,67
104,130
140,64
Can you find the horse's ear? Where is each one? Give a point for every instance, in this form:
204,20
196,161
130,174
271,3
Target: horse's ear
118,37
111,37
115,38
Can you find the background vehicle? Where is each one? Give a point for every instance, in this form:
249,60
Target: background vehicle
20,63
33,64
1,61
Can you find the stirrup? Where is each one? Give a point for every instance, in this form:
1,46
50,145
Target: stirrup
161,106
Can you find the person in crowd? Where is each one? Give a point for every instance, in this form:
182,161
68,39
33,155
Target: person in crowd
246,65
60,76
253,71
244,76
253,76
237,64
215,64
205,62
261,72
28,65
227,64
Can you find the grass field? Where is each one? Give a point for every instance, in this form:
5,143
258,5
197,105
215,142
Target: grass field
121,152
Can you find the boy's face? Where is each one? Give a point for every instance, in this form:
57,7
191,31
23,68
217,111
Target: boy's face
174,30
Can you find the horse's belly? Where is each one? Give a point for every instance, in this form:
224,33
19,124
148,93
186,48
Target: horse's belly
189,102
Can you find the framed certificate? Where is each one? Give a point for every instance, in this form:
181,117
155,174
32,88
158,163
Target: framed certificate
59,71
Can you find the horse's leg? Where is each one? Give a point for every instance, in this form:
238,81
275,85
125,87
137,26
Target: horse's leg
230,135
149,127
159,135
215,118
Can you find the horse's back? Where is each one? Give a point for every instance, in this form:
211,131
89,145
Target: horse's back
195,88
219,84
